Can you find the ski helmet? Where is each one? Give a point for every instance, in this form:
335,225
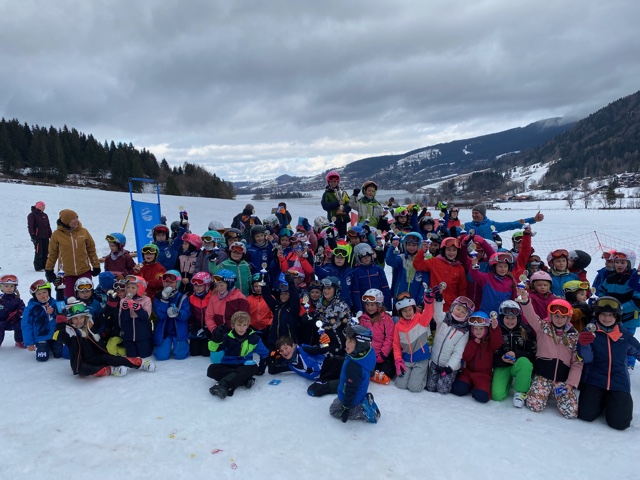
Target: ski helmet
201,278
175,273
405,300
479,319
140,282
76,308
271,221
258,229
466,303
226,276
332,175
333,282
369,183
320,223
500,257
373,295
541,275
608,304
215,225
362,250
625,254
151,248
509,307
117,238
9,280
412,237
160,228
39,285
362,336
83,283
193,239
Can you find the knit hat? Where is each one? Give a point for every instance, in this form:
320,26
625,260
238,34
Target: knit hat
480,208
40,205
67,215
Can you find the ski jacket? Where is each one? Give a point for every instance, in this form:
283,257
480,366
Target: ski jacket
410,337
331,201
442,270
74,250
37,325
450,339
555,361
478,357
139,327
198,307
11,308
519,340
404,277
38,224
83,349
364,277
286,316
240,350
261,314
605,360
559,279
617,285
220,310
540,304
166,326
152,274
383,334
367,209
122,264
484,229
168,251
258,255
495,289
354,378
334,316
241,269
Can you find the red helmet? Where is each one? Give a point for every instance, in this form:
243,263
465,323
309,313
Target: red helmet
561,307
142,284
332,174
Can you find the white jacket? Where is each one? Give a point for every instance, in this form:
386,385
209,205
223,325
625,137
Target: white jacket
448,342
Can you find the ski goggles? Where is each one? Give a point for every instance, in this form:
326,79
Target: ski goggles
237,249
516,239
111,239
84,287
369,299
169,277
401,213
466,302
208,238
403,296
575,286
198,281
327,283
560,253
510,311
339,252
217,278
9,280
283,287
555,309
146,250
450,242
607,303
504,257
232,237
619,256
119,285
39,285
608,255
77,308
412,240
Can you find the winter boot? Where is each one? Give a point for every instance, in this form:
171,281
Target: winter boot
381,378
20,345
370,410
221,390
518,399
319,388
119,371
103,372
249,383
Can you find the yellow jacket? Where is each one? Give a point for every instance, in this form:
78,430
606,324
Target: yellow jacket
74,250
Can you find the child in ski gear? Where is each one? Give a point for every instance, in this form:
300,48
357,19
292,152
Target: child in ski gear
285,305
605,386
225,300
211,247
602,274
367,275
260,251
244,221
11,308
368,208
339,268
261,314
617,285
513,361
540,294
171,307
283,215
133,318
353,401
299,256
39,323
449,342
474,246
410,342
237,264
119,261
88,355
405,278
237,366
497,285
151,270
309,362
557,367
446,268
40,233
577,293
476,374
482,225
167,249
376,319
187,258
335,202
334,314
198,303
73,247
558,261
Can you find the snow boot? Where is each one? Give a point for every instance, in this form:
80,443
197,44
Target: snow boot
249,383
370,410
518,399
119,371
103,372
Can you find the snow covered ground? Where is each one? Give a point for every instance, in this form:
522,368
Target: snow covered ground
166,424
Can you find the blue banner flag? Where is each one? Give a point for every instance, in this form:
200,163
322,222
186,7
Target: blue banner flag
146,215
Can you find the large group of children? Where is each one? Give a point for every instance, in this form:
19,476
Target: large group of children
461,315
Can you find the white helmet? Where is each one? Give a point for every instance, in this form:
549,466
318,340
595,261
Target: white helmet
320,223
405,302
82,281
373,295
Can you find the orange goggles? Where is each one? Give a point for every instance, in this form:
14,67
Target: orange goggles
559,310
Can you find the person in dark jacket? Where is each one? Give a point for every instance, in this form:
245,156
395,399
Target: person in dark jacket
40,233
245,220
285,305
604,386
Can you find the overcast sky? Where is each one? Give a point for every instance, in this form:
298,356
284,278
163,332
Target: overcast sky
255,89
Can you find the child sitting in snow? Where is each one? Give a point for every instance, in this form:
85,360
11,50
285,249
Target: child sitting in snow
11,308
133,317
557,367
353,402
376,319
39,324
449,342
88,355
237,366
475,376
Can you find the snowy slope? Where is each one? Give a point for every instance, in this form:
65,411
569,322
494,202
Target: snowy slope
167,425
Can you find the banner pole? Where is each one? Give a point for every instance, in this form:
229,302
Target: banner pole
126,219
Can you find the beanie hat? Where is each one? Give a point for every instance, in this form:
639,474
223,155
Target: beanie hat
106,280
480,208
67,215
40,205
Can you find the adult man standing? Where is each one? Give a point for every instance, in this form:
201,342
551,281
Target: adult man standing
483,225
73,248
40,232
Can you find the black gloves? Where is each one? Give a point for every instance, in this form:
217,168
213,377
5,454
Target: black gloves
447,370
344,414
95,272
33,240
218,333
437,293
288,278
49,275
356,191
262,366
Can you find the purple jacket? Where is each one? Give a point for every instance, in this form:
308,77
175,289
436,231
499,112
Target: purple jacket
38,224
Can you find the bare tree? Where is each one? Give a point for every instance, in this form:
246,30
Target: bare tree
571,199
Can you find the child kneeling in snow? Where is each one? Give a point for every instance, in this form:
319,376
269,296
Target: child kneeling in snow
88,354
476,375
353,402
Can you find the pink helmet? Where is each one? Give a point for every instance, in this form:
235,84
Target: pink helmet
193,239
332,174
142,284
201,278
541,275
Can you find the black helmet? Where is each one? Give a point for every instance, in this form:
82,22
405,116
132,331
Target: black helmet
608,304
258,229
331,282
361,335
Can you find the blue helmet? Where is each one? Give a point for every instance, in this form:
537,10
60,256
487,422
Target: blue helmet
412,237
479,319
118,238
227,276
